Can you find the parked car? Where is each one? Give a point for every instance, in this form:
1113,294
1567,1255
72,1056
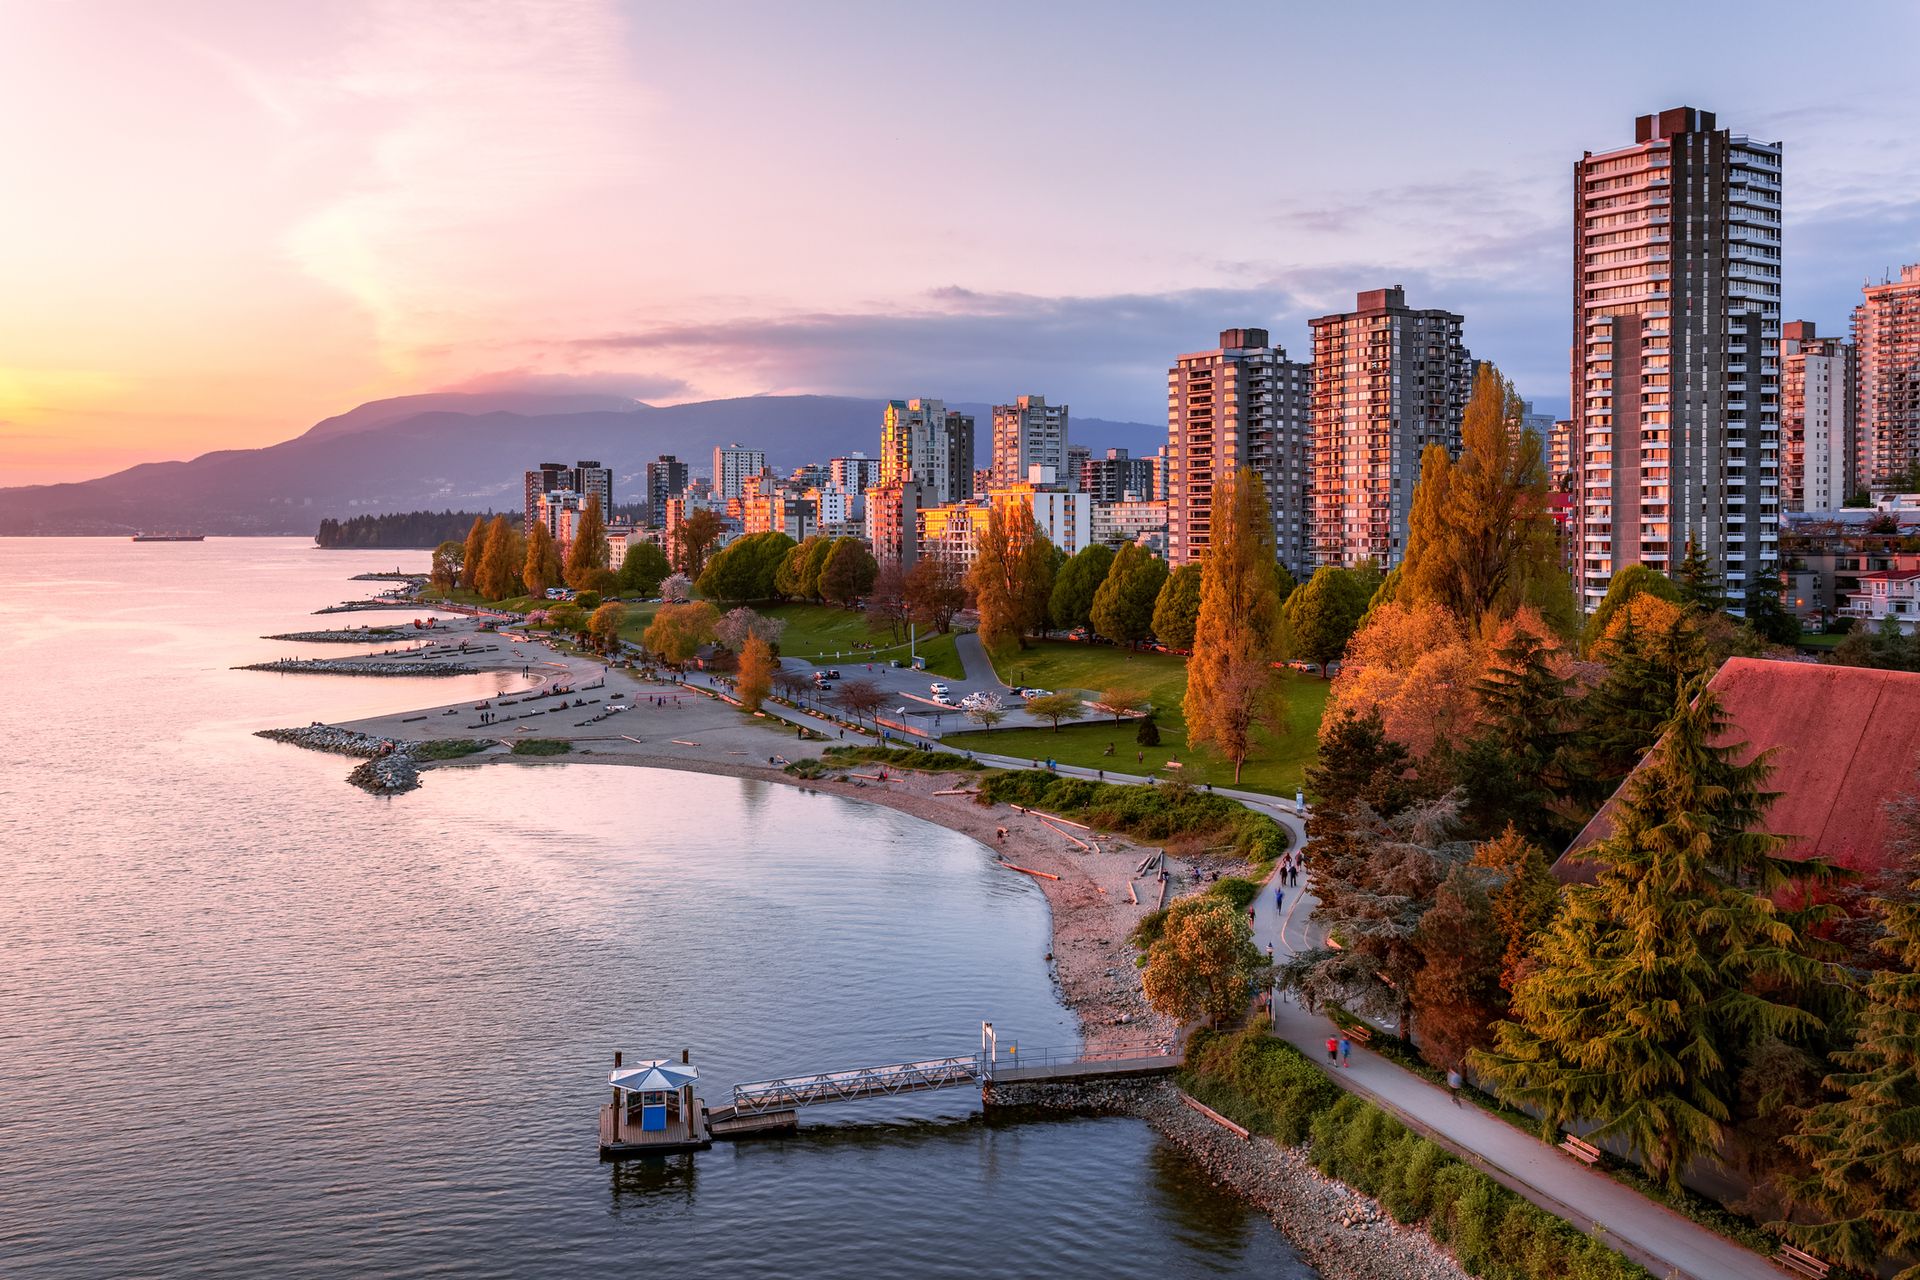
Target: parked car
943,700
833,675
938,688
1031,694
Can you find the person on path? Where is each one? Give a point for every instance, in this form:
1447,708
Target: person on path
1346,1052
1279,897
1453,1084
1333,1049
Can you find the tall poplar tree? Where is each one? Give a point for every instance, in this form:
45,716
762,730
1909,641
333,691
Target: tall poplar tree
499,575
1012,576
1237,632
541,568
1654,981
1123,606
587,553
476,550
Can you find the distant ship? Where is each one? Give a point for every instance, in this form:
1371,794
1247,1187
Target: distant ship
169,537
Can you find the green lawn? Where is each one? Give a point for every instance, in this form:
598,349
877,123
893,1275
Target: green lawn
1820,639
1277,764
823,633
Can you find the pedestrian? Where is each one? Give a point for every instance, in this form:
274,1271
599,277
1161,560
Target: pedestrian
1333,1049
1139,757
1453,1084
1346,1051
1279,898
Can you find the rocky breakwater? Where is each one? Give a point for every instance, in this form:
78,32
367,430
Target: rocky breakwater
364,667
387,766
1345,1235
345,635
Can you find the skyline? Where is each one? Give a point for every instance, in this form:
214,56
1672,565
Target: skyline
244,222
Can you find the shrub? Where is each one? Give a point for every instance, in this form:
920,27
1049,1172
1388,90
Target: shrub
1153,813
448,749
901,757
541,746
1238,890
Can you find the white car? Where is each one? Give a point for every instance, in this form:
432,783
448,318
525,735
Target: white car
938,689
1031,694
941,699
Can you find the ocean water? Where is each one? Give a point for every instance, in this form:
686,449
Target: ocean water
256,1022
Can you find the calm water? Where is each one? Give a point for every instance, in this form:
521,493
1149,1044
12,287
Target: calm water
256,1022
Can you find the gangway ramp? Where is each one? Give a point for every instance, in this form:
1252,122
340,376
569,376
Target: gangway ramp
861,1082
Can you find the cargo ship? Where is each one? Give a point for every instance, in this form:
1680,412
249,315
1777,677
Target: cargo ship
169,537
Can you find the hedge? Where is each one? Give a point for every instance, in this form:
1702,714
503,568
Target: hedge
1159,812
1270,1087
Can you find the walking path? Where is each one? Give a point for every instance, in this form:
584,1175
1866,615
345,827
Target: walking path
1656,1237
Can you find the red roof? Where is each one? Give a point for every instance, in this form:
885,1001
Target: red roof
1848,741
1890,575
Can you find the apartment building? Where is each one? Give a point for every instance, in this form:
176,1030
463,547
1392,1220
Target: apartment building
587,479
1116,477
1242,404
1817,429
666,478
732,464
893,520
924,441
1676,338
1886,341
1027,433
1388,380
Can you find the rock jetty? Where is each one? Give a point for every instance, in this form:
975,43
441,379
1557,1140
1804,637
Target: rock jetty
346,635
355,606
363,667
388,766
1345,1235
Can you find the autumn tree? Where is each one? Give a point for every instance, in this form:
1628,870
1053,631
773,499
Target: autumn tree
604,626
643,569
541,567
1057,707
499,575
588,553
1631,581
1524,895
473,553
1655,981
1250,702
1416,664
1177,610
1456,989
1480,529
693,538
1121,701
1203,964
935,591
678,630
1322,616
1012,576
1122,608
742,624
1071,604
447,567
1237,631
848,573
755,679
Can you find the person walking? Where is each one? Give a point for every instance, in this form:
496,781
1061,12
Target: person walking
1346,1052
1333,1049
1279,898
1453,1084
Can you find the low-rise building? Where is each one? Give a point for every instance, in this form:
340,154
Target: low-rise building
1886,593
1117,523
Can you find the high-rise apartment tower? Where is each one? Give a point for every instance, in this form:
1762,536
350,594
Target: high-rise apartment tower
1816,419
1886,341
1027,433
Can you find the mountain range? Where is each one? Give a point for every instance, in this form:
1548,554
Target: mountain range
466,451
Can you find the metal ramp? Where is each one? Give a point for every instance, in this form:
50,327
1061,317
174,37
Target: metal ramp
861,1082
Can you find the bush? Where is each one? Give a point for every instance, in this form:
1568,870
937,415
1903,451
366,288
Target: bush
1238,890
901,757
1155,813
448,749
541,747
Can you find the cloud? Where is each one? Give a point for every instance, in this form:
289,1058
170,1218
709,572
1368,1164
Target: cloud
634,385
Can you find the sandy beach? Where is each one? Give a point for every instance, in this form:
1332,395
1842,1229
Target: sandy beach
1095,901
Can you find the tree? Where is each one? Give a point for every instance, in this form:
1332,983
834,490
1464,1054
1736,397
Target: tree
812,566
792,685
1177,610
936,590
739,625
1766,613
1864,1183
449,559
588,553
790,580
569,618
1250,700
693,537
1121,702
1324,614
1523,898
1123,606
474,552
1654,981
643,569
1203,964
1886,647
848,573
1481,531
746,567
1511,765
675,589
887,602
1627,583
1057,707
1071,604
1415,663
1698,581
541,567
1012,576
861,699
678,630
605,624
755,680
499,575
986,709
1148,734
1238,627
1456,989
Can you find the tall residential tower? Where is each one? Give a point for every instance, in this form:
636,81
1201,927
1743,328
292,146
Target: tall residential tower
1676,351
1816,419
1886,340
924,441
1029,432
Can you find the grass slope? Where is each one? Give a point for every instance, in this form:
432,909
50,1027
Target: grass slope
1276,766
825,634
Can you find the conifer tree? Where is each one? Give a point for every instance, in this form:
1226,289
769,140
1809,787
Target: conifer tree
1177,609
587,553
1510,766
1865,1180
1239,622
1698,580
1654,980
476,550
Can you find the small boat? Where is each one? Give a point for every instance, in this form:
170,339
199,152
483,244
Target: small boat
169,537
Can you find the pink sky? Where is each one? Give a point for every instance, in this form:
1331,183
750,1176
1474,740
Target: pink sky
226,220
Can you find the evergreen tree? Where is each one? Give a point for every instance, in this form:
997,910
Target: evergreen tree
541,568
1865,1180
1653,982
1523,899
1177,609
587,554
1122,609
1071,604
1766,614
1621,717
1237,631
1510,766
475,551
1699,581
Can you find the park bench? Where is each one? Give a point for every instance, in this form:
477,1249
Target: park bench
1581,1150
1358,1032
1800,1261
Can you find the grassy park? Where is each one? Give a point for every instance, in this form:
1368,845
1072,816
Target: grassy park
1276,766
824,633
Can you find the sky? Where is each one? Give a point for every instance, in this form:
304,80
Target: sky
227,219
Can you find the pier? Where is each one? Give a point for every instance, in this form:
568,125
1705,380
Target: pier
654,1112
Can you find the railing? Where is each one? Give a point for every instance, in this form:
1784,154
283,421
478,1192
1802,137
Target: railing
1013,1055
862,1082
